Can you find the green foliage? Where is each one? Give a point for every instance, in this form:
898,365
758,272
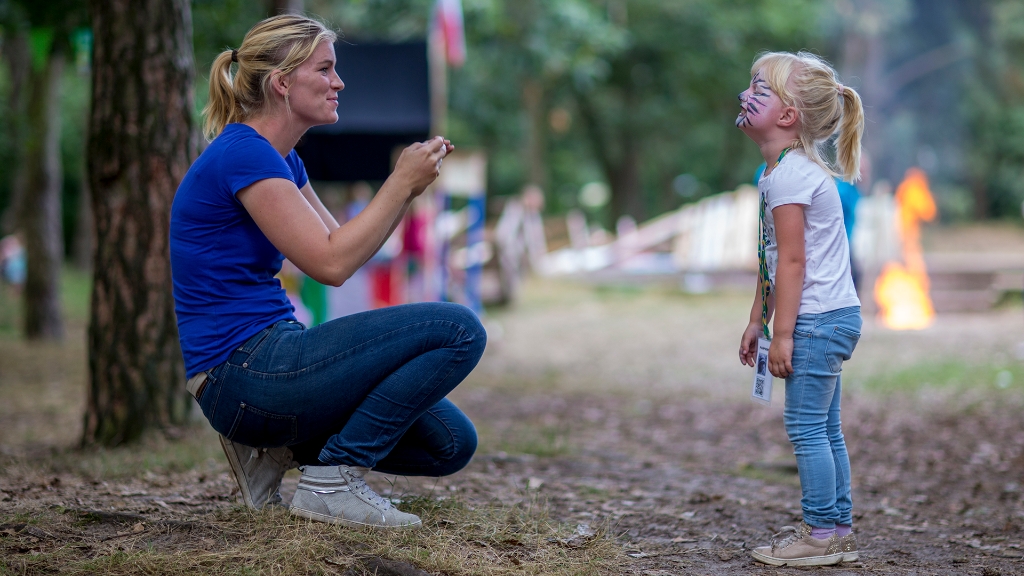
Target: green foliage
954,375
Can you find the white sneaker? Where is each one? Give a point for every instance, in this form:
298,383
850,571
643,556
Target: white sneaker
258,472
339,495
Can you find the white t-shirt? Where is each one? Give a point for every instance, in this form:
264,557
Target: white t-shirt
828,283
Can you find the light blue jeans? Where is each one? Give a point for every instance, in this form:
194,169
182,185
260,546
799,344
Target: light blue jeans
821,343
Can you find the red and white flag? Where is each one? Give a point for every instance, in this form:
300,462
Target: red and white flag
448,20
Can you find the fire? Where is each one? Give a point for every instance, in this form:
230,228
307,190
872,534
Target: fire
901,290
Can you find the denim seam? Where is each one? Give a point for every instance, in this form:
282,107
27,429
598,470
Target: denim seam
334,358
833,315
459,355
243,408
216,398
453,362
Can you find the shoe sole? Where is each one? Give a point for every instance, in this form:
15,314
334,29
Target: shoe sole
810,561
850,557
345,522
234,464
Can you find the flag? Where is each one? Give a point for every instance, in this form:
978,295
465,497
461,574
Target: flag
448,20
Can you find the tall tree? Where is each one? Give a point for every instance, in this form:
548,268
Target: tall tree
36,50
142,140
40,205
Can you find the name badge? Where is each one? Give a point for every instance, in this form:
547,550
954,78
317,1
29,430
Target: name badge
762,391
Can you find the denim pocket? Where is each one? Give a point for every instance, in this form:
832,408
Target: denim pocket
840,347
262,429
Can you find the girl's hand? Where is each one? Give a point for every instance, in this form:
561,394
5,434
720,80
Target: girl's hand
780,356
748,343
420,163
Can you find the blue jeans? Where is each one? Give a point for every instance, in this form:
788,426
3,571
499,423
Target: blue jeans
821,343
362,390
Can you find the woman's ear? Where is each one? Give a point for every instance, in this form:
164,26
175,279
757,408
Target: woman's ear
279,82
788,117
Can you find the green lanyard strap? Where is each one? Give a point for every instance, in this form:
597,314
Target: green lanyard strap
762,262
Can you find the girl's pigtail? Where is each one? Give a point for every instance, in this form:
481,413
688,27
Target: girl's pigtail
220,110
851,128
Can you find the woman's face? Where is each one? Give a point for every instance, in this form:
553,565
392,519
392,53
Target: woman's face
314,87
758,105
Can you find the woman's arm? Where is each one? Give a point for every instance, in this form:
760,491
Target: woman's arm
298,227
789,285
318,206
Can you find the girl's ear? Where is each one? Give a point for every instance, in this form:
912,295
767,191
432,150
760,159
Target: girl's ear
788,117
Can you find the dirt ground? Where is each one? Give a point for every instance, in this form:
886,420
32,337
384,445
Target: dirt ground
619,411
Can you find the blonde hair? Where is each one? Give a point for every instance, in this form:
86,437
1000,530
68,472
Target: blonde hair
810,84
278,43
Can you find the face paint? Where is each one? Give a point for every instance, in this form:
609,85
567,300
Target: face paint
753,100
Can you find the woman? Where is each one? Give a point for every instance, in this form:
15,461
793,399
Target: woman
362,392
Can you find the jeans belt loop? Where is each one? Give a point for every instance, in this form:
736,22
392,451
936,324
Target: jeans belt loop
196,384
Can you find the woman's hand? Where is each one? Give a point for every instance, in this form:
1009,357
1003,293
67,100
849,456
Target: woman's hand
780,356
748,343
420,164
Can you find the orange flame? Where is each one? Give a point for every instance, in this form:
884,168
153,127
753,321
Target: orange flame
901,291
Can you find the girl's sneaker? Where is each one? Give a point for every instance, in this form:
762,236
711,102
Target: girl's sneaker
848,546
796,547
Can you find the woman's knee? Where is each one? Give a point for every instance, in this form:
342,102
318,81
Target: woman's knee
464,448
470,330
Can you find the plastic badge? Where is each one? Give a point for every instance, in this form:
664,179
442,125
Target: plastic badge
762,391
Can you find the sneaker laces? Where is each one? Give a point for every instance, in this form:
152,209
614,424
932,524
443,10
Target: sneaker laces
785,537
359,486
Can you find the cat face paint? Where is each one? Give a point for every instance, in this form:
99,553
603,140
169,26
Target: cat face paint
753,102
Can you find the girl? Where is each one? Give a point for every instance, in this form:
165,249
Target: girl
793,107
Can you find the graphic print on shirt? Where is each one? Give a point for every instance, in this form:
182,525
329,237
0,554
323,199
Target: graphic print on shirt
768,238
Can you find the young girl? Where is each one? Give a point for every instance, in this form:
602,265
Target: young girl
793,107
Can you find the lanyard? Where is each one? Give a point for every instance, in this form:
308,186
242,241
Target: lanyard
762,263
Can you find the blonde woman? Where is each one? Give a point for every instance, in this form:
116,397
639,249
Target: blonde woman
362,392
792,108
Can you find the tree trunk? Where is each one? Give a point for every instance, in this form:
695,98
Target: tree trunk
536,133
617,152
41,202
19,64
141,142
276,7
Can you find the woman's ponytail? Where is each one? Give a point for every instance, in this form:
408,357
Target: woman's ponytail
221,109
851,128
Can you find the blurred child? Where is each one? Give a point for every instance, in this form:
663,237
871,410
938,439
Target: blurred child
794,105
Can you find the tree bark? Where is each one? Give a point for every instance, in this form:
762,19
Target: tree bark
276,7
617,152
40,202
142,140
536,133
19,65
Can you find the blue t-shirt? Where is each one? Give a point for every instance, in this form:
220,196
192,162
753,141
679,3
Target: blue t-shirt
222,266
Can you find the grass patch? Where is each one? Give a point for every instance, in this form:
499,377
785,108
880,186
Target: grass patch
76,292
950,375
456,539
543,441
196,449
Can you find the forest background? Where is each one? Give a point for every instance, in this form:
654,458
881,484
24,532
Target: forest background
637,94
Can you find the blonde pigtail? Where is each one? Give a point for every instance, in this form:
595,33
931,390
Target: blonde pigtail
851,129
